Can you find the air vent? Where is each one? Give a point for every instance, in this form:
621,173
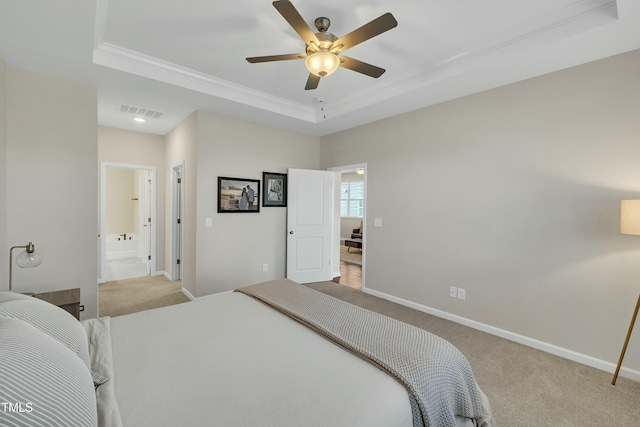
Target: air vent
139,111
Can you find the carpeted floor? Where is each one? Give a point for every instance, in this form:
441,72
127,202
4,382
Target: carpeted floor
126,296
526,387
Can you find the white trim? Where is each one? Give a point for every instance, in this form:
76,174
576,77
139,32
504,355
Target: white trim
139,64
188,294
593,362
177,247
579,16
103,216
353,168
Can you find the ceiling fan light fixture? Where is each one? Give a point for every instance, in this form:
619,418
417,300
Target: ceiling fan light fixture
322,63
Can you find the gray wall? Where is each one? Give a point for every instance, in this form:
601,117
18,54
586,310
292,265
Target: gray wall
514,196
121,213
4,249
231,253
51,176
139,149
181,145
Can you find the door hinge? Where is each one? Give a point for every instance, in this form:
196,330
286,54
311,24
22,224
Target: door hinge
179,221
178,261
179,180
149,258
148,219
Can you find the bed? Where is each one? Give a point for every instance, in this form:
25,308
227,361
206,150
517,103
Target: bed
272,354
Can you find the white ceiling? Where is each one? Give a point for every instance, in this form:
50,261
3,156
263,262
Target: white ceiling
178,56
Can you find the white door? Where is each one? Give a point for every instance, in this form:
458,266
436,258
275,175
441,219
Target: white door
309,215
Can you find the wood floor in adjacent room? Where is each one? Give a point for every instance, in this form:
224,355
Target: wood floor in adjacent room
350,275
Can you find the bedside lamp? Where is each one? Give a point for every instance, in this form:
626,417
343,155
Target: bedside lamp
27,259
629,224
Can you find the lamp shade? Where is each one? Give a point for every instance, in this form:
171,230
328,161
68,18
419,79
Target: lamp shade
630,217
29,259
322,63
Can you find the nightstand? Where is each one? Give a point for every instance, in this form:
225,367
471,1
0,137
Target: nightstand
68,300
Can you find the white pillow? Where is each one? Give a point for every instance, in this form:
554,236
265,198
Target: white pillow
50,319
42,382
11,296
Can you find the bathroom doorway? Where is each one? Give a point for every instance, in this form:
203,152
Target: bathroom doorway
127,243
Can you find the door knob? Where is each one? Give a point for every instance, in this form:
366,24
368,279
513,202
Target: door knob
291,232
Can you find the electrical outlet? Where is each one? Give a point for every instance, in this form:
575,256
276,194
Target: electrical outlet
453,292
265,267
462,294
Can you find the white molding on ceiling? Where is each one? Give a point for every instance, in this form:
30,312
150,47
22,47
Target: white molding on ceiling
102,7
130,61
137,63
579,16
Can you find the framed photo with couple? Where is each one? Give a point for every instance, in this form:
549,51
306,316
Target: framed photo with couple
274,189
238,195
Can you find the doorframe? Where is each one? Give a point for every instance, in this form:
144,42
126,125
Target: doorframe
177,231
103,215
350,168
144,215
314,230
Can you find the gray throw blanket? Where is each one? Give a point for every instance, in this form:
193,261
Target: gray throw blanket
437,376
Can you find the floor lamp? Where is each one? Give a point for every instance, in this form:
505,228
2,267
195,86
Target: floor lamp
27,259
629,224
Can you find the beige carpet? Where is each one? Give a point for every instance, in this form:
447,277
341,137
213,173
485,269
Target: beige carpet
352,255
526,387
142,293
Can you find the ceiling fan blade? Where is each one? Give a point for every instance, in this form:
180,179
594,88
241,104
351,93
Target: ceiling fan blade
287,57
291,15
361,67
377,26
312,82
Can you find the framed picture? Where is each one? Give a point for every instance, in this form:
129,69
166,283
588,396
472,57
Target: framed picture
274,189
238,195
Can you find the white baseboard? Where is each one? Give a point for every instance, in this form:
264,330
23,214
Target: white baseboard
511,336
188,294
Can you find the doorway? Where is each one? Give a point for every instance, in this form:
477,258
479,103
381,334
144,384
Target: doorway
127,221
351,212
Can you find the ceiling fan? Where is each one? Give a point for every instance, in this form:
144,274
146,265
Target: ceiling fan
323,48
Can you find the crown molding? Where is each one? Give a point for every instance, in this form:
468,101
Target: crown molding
565,22
577,17
133,62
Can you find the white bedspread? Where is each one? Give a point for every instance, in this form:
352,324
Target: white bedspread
228,360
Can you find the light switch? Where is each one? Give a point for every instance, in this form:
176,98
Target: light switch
208,222
377,222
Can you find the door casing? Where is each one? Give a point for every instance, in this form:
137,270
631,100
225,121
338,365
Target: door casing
103,216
